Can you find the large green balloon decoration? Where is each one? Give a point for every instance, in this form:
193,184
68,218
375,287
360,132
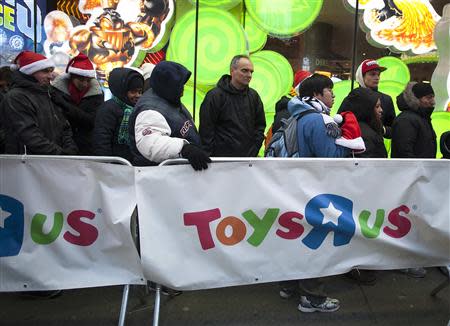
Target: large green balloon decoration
188,100
284,68
340,90
220,37
222,4
441,124
396,71
256,37
267,81
284,18
393,89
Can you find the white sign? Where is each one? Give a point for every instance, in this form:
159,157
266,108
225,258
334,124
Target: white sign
270,220
66,224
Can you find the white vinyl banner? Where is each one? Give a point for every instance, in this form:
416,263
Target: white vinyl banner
66,224
278,219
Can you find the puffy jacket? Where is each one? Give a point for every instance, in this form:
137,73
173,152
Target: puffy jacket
232,122
160,125
109,117
82,116
413,135
35,124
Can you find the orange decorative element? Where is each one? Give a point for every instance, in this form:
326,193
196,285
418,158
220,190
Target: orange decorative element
238,234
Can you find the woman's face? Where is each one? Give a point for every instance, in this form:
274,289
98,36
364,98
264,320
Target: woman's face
378,110
134,95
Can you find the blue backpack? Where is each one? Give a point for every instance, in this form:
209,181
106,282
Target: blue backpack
284,141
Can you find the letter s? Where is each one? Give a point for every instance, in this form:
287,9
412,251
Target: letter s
88,233
402,223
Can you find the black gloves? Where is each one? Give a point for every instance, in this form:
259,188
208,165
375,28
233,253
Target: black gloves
196,157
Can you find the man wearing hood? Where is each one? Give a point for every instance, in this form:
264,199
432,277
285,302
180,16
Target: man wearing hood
161,127
80,95
35,124
412,133
232,120
368,76
111,124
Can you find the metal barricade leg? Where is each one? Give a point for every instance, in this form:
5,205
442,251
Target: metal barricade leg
123,307
157,305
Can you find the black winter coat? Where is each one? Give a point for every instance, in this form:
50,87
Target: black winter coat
34,123
281,112
82,116
109,117
232,122
412,133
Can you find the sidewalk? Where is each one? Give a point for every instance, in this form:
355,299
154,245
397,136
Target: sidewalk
395,299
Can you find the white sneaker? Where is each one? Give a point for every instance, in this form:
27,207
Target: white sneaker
329,305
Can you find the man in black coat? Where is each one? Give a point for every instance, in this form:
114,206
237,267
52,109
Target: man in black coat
232,120
413,135
35,124
80,95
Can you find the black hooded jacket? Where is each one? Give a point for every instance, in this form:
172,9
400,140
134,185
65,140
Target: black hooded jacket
34,123
167,84
362,101
109,116
81,116
413,135
232,121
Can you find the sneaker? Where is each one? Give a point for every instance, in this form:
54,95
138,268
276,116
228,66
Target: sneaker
418,272
329,305
286,293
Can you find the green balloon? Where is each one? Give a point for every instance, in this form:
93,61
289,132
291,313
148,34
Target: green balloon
267,81
188,100
393,89
222,4
220,38
282,65
340,90
255,36
284,18
441,124
397,70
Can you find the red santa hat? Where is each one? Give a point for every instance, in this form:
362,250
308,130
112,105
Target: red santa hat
28,62
351,133
300,76
81,66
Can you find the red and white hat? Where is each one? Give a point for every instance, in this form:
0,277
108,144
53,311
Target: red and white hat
28,62
351,132
81,66
370,64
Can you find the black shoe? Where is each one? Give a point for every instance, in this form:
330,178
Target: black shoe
362,276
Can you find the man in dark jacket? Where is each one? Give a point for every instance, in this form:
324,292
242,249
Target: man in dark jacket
111,123
161,127
412,133
232,120
5,81
368,76
80,95
35,124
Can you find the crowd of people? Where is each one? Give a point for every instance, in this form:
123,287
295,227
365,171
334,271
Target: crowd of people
146,123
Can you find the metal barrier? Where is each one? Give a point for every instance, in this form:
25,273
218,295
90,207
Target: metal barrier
99,159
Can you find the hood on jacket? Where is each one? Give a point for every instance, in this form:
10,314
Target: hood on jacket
225,84
297,105
61,83
119,81
167,80
407,100
362,101
445,144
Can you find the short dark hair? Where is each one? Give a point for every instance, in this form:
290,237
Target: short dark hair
235,60
315,84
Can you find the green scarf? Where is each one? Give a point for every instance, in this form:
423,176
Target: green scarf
123,137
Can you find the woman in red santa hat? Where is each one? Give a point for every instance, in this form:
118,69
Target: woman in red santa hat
80,95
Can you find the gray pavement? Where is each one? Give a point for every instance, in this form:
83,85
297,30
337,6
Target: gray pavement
395,299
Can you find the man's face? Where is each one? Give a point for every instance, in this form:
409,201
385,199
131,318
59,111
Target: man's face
44,77
80,82
427,102
241,75
372,78
134,95
327,97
